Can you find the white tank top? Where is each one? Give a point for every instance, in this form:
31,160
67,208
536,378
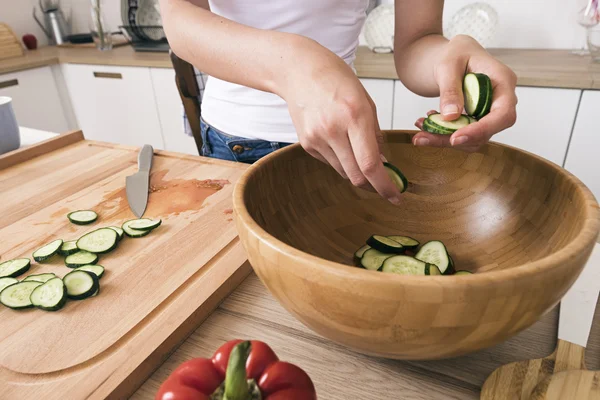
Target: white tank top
241,111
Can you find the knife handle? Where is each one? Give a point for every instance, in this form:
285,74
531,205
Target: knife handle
145,158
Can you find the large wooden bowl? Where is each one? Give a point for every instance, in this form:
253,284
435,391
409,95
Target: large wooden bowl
525,226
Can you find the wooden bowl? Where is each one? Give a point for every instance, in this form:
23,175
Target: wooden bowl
523,225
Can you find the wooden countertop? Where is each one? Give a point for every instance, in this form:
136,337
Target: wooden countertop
251,312
544,68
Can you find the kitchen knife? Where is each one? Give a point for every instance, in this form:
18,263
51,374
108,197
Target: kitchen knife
137,184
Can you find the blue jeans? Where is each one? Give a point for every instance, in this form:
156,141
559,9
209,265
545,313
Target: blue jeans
217,144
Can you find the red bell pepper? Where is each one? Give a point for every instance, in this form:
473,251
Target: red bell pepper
239,370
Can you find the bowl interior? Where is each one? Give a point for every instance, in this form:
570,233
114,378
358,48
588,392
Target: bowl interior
495,209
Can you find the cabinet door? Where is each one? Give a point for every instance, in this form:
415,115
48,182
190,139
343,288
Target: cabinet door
582,158
544,118
382,93
36,100
170,112
114,104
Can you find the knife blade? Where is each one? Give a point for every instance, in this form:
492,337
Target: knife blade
137,185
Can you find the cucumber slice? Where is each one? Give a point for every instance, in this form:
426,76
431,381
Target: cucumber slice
360,252
405,265
51,296
80,259
144,224
430,127
82,217
373,259
434,252
463,272
488,105
476,88
4,282
69,247
385,244
80,284
100,241
406,241
133,233
40,277
96,293
45,252
16,296
118,230
436,121
396,176
14,268
98,270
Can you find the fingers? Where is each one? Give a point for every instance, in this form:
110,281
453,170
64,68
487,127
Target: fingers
343,151
326,155
449,78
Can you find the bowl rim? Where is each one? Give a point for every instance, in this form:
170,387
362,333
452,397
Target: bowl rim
589,232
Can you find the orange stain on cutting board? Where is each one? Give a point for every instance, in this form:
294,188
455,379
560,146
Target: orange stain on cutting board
167,197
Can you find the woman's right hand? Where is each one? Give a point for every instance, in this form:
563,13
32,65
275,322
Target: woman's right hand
336,121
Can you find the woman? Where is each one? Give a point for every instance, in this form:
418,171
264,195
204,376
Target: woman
280,72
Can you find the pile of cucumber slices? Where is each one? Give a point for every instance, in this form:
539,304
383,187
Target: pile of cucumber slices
49,292
478,94
392,254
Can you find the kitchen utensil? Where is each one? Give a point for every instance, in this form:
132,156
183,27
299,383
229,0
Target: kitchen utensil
525,226
576,385
155,290
9,43
593,42
587,17
379,29
99,27
517,380
137,184
9,129
478,20
56,27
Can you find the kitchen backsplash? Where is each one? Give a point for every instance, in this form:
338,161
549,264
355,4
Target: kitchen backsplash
522,24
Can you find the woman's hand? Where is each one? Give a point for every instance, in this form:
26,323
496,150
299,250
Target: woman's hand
336,121
462,54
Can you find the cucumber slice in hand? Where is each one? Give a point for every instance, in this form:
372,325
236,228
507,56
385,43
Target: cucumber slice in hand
16,296
14,268
45,252
396,176
100,241
50,296
80,284
478,94
435,124
80,259
82,217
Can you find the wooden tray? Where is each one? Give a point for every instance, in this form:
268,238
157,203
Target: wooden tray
156,289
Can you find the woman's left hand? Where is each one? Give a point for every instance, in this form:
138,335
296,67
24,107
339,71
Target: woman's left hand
464,54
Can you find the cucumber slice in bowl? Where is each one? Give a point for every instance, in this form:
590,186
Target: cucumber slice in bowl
434,252
360,252
4,282
406,241
463,272
68,248
80,259
118,230
97,270
45,252
80,284
16,296
144,224
385,244
40,277
100,241
396,176
50,296
373,259
134,233
405,265
14,268
82,217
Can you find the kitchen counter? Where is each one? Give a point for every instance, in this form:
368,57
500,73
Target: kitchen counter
543,68
251,312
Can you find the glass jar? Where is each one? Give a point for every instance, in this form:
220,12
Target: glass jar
98,27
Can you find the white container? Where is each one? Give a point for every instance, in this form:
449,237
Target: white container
9,129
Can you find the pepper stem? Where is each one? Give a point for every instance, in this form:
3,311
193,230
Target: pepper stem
236,383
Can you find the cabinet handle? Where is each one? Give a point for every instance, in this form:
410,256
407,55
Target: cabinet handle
12,82
109,75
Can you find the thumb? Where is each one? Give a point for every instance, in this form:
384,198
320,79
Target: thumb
449,78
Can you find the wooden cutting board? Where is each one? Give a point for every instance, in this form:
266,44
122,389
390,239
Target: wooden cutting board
156,289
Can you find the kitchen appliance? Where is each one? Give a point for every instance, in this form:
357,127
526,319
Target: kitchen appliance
137,184
56,27
9,129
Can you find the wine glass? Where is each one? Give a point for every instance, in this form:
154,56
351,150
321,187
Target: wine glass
587,17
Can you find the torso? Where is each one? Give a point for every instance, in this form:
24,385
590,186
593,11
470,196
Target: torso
242,111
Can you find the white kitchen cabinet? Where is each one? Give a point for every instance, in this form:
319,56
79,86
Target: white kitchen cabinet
114,104
382,93
545,118
36,99
582,158
170,112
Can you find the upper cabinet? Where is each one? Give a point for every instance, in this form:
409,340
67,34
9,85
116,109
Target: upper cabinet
582,160
114,104
36,99
382,93
545,118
